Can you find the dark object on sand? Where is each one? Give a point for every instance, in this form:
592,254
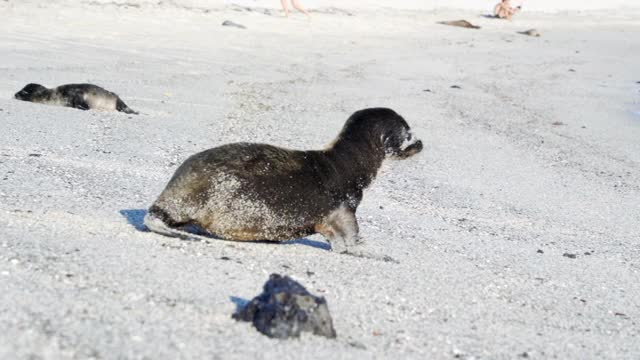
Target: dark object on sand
530,32
285,309
570,256
455,87
79,96
460,23
231,23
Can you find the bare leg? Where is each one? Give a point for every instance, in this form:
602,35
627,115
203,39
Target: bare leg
285,7
299,7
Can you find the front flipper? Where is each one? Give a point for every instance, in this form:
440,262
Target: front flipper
78,102
340,227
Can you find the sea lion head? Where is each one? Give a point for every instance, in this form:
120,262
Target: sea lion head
400,143
30,91
384,129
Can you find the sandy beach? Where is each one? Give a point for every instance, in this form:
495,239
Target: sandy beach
516,230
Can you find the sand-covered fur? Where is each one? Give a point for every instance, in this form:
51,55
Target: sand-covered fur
79,96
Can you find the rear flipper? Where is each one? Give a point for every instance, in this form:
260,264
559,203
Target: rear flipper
121,106
154,222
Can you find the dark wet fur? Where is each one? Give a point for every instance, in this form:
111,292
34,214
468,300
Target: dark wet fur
71,95
304,185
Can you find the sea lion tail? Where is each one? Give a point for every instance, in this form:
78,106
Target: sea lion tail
157,220
121,106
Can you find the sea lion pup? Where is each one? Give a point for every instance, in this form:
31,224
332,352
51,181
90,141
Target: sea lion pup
253,192
79,96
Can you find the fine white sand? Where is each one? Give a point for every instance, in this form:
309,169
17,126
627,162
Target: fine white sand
516,230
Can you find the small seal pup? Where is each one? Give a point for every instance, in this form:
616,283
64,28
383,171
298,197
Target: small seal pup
79,96
257,192
460,23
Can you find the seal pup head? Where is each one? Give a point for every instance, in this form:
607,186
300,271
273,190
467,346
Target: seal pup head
382,129
30,92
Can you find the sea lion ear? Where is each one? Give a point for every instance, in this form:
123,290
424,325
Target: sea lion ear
386,138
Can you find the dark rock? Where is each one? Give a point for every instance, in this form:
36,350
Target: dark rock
530,32
460,23
225,258
285,309
540,251
231,23
455,87
570,256
35,155
572,70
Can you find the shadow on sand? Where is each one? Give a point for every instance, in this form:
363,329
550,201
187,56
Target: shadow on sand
239,302
135,217
308,242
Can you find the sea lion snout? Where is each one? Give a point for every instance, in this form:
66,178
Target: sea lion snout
405,144
21,95
411,149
